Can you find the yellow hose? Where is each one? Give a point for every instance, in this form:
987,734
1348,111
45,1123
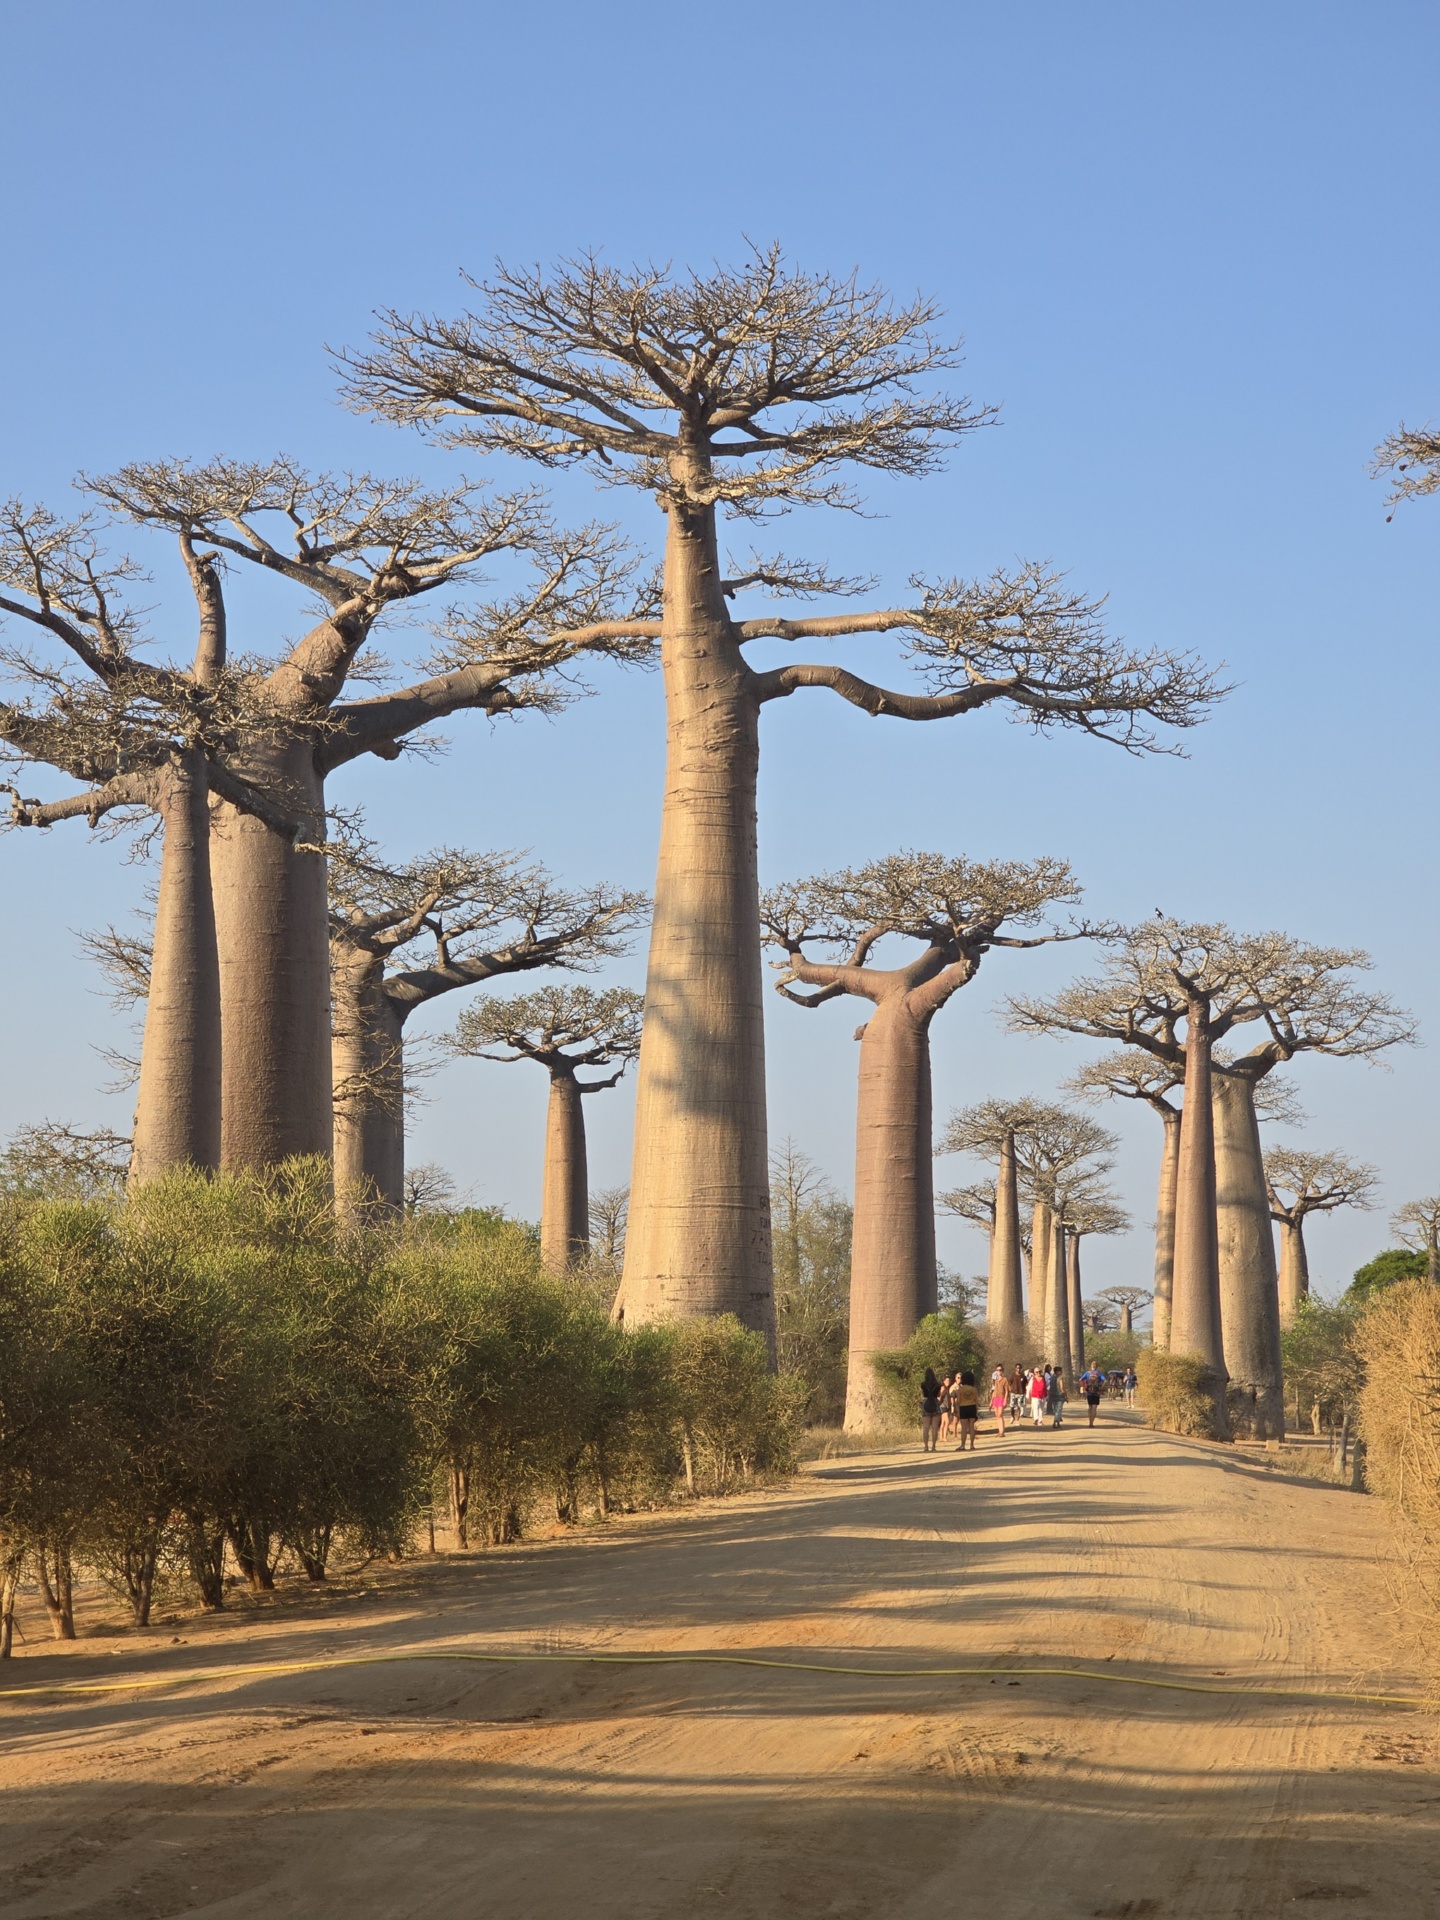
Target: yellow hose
715,1660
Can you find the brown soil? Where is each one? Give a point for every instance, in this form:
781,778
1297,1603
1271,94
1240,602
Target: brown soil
456,1790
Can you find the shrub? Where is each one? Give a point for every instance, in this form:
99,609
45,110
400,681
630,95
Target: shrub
1385,1270
944,1341
1398,1339
1172,1392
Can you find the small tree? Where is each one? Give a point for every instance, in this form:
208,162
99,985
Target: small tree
1385,1270
813,1231
743,392
1124,1303
563,1029
1300,1184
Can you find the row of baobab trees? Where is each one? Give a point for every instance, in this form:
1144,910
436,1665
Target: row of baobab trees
725,398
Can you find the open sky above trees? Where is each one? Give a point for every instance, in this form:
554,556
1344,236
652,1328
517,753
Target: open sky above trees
1192,254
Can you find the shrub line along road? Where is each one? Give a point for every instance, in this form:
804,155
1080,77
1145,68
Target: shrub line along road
446,1787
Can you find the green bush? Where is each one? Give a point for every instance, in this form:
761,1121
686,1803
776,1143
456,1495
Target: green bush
1387,1269
945,1342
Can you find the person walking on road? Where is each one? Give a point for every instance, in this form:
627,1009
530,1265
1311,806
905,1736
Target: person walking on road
1131,1382
1055,1399
929,1412
965,1400
1092,1385
1038,1394
999,1399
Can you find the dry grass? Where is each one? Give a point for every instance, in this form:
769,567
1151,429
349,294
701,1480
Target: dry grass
1172,1393
1398,1338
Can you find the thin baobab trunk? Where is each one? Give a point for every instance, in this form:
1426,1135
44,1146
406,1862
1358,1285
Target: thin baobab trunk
1249,1296
892,1263
1075,1305
177,1112
1005,1294
565,1200
1057,1298
272,924
1195,1296
1294,1270
1165,1230
1038,1305
368,1044
699,1234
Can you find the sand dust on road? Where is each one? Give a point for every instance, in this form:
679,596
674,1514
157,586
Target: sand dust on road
442,1791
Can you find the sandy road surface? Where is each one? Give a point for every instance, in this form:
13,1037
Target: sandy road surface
450,1790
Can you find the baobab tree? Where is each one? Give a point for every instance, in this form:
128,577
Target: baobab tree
1418,1225
1168,974
1299,1184
1125,1302
243,895
954,910
1412,456
1135,1075
484,915
1059,1157
1087,1209
744,392
563,1029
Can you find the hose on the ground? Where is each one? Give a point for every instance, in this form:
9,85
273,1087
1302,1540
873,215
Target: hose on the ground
147,1681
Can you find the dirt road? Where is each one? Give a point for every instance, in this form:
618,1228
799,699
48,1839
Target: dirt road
454,1791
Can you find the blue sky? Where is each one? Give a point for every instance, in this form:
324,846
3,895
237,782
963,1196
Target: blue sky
1193,254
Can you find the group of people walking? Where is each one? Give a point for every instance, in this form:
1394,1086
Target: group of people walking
952,1405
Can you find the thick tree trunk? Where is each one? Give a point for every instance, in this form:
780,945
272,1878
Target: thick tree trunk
1057,1300
1037,1307
272,925
1165,1231
892,1263
1076,1306
1127,1319
1294,1270
1195,1297
1249,1296
1005,1294
177,1111
368,1066
699,1235
565,1202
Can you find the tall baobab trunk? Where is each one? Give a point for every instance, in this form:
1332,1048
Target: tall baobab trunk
272,923
1127,1318
892,1262
1076,1306
565,1201
1195,1295
1038,1307
368,1043
177,1113
1165,1230
1249,1296
699,1234
1057,1297
1294,1269
1005,1293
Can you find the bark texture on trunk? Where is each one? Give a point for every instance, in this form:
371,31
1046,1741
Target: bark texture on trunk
1005,1294
177,1111
1249,1296
272,924
1037,1307
699,1235
1294,1269
1165,1230
892,1267
368,1067
565,1200
1195,1295
1076,1306
1057,1300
